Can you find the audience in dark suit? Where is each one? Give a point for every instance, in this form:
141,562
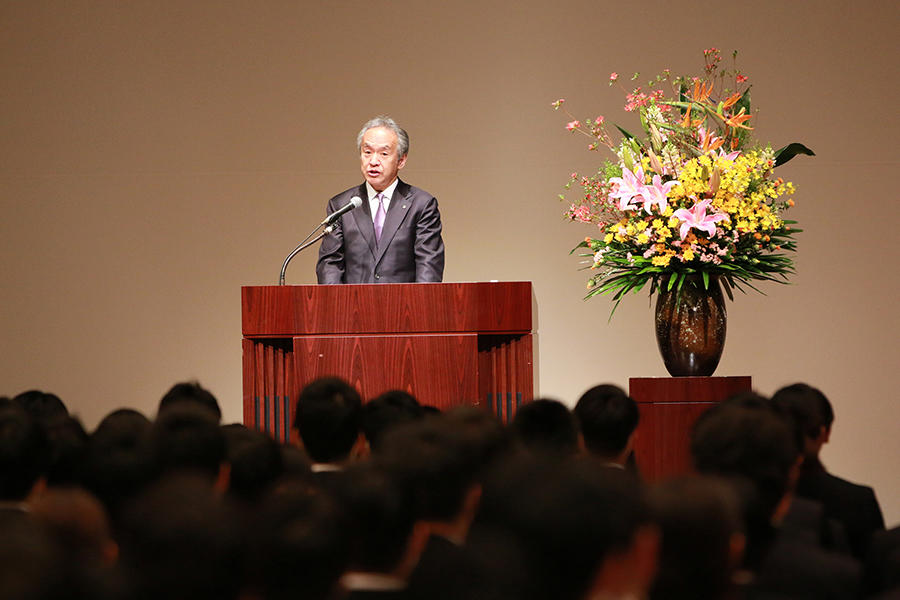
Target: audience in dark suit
746,441
448,505
852,505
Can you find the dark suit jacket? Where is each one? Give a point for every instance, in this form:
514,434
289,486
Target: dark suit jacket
410,250
854,506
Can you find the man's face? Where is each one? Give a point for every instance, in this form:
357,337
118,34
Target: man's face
378,155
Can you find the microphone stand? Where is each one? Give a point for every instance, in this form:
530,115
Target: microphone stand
303,245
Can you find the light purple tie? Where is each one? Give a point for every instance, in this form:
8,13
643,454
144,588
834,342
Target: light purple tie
379,217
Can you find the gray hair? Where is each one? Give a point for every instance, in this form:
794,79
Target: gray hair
389,123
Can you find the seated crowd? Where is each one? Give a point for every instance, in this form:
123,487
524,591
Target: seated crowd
393,499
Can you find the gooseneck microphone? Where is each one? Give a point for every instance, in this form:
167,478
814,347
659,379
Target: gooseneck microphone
355,202
329,223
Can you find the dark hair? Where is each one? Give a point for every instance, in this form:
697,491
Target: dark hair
182,540
379,516
386,411
188,437
41,405
68,447
805,405
24,453
433,458
698,518
190,392
298,544
755,449
563,518
118,462
255,460
607,417
546,426
327,418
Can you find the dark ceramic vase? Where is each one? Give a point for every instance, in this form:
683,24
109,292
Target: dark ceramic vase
690,327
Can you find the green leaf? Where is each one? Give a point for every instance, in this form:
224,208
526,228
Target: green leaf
625,133
782,155
705,280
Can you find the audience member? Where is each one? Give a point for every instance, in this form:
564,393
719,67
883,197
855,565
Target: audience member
68,442
118,462
607,417
575,531
437,460
746,442
24,455
385,412
854,506
327,417
41,406
191,393
547,427
188,437
181,540
385,544
78,523
702,540
256,462
299,545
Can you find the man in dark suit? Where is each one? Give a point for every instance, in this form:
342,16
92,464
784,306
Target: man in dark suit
854,506
395,236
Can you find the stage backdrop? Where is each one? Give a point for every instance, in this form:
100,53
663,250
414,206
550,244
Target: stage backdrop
155,156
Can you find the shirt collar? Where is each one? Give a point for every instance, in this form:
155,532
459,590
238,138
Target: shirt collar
388,191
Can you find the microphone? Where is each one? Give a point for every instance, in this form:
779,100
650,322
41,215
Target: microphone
355,202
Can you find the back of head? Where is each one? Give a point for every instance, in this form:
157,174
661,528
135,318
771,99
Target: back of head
118,461
181,540
78,522
805,404
379,514
255,459
566,518
700,522
434,459
190,393
68,447
30,562
485,434
327,417
41,405
607,417
188,438
24,453
749,444
298,544
387,411
546,426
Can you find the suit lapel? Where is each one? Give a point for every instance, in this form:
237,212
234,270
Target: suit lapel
363,219
400,205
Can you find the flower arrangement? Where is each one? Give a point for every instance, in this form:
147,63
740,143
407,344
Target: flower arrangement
695,196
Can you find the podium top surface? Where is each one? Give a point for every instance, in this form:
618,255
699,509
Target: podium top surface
386,308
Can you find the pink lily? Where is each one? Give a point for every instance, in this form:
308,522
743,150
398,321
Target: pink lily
729,155
628,186
697,218
656,193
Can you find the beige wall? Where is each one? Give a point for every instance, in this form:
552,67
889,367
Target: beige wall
155,156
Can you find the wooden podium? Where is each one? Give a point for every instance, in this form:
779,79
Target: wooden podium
446,343
668,407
